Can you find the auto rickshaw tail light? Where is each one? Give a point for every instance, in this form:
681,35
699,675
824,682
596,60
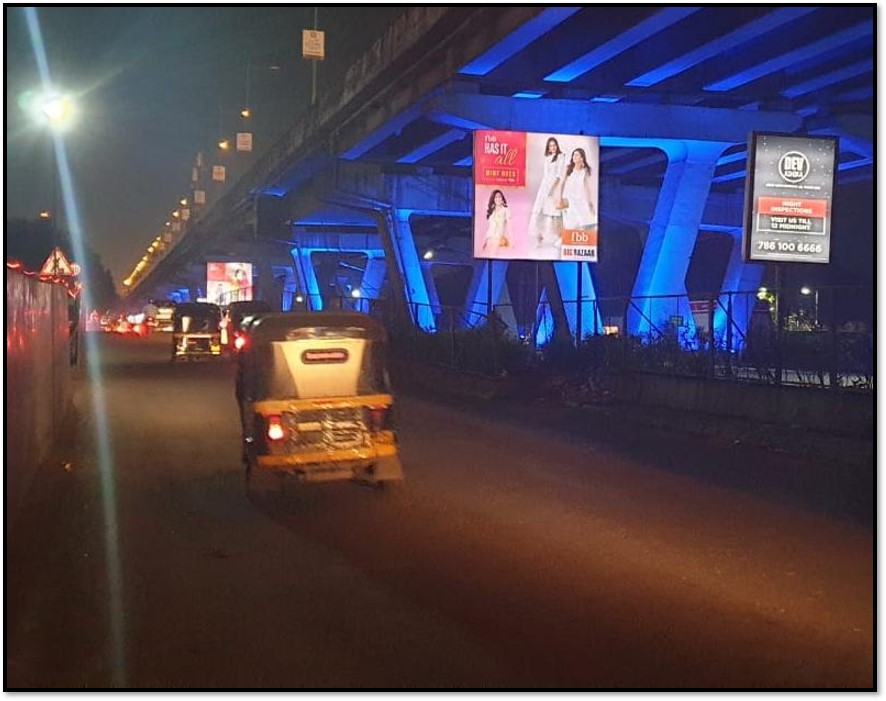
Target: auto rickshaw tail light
378,418
275,432
240,342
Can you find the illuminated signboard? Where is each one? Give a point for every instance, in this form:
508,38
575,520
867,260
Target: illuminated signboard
789,198
228,282
535,196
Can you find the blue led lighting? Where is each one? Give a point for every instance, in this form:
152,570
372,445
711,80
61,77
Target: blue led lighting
720,46
469,161
847,36
268,191
823,81
518,40
607,98
732,158
432,146
729,176
632,37
529,94
859,163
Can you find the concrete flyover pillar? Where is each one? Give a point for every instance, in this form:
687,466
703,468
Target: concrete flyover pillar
672,234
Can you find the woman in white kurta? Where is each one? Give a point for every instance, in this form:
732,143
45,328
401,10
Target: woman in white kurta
545,218
498,220
575,198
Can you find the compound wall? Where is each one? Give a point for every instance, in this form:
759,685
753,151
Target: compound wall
38,379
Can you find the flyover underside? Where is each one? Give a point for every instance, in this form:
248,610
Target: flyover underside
380,176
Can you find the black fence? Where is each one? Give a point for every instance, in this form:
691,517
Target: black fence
822,338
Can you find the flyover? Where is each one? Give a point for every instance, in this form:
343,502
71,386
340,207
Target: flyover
371,190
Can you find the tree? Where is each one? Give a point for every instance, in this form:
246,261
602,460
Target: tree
31,242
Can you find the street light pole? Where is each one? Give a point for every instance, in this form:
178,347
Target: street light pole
314,66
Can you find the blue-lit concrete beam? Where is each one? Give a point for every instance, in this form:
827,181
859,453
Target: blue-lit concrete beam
720,46
410,266
567,280
374,276
828,79
433,146
307,278
672,234
518,40
615,121
454,121
638,33
477,301
863,30
544,321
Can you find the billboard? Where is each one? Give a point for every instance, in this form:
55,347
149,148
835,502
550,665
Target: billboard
789,198
535,196
228,282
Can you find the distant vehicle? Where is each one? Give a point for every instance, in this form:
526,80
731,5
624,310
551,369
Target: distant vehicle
163,319
196,331
315,399
235,313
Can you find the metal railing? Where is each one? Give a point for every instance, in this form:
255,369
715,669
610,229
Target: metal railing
739,336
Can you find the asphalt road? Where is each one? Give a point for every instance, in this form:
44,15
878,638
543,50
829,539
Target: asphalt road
513,556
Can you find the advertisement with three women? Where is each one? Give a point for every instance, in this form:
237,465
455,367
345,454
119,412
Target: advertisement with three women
535,196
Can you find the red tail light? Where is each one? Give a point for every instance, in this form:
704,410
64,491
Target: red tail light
378,418
240,342
276,432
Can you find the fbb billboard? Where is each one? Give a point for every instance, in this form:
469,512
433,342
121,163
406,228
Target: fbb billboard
228,282
789,198
535,196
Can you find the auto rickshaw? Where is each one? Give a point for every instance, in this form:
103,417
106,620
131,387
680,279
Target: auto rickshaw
195,331
234,316
315,399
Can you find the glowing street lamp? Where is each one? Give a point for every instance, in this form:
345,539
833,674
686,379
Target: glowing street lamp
224,144
57,111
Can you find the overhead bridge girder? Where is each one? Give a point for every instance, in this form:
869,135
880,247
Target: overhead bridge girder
644,121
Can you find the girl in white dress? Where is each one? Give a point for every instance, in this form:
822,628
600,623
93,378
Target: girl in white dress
498,228
546,217
575,194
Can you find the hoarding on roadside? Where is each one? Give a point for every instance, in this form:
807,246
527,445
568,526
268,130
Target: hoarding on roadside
228,282
536,196
789,198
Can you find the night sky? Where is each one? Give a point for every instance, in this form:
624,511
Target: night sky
154,86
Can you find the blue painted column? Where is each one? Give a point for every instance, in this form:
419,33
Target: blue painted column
477,300
374,277
739,277
672,234
410,265
307,278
